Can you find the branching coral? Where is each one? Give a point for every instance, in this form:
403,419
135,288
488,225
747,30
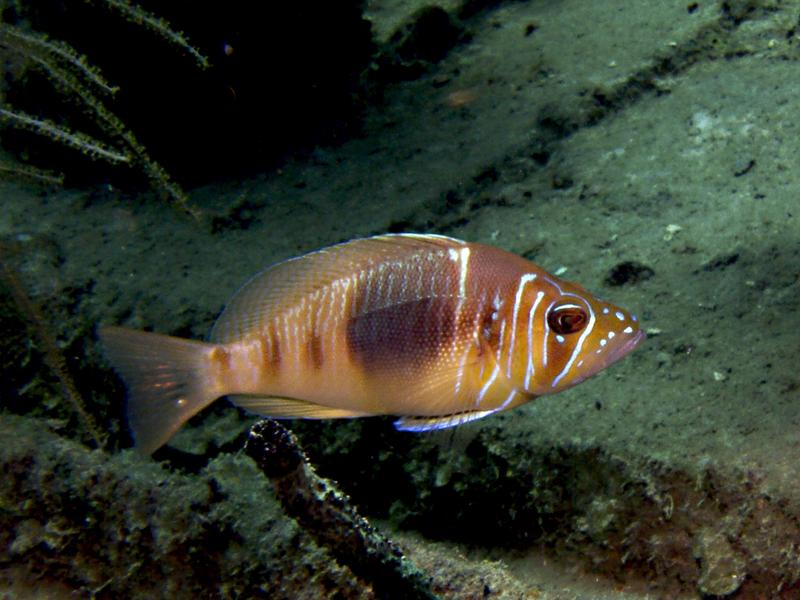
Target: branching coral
74,77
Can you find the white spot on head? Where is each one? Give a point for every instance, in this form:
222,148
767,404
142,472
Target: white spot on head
605,310
603,342
611,335
635,318
628,329
619,315
560,338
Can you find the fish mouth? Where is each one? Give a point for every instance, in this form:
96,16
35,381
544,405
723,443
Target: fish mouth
613,356
627,347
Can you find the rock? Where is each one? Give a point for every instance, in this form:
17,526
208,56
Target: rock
722,569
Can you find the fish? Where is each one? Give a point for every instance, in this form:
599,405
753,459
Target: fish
431,329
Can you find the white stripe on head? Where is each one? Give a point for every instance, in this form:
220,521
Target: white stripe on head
523,281
487,385
531,316
546,336
546,324
579,344
500,342
508,400
463,254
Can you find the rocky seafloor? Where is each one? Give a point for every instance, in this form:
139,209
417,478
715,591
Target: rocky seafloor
649,153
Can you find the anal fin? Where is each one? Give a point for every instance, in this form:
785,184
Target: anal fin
292,408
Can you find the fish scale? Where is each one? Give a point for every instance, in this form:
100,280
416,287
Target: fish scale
434,330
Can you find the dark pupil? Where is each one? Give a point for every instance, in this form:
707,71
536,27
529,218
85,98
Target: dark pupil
566,319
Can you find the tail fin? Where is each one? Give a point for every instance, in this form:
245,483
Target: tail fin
166,381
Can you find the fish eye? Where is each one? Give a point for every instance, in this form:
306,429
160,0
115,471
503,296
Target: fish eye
567,318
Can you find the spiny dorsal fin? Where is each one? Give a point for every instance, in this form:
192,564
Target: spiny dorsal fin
284,284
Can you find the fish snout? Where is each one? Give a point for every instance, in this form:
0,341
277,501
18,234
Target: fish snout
627,345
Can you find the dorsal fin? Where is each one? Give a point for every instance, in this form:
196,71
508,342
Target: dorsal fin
284,284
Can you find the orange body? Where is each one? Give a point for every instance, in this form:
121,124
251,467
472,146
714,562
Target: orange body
432,329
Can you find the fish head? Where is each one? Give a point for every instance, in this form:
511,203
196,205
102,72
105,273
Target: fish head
573,335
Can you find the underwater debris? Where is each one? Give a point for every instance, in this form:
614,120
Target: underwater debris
328,516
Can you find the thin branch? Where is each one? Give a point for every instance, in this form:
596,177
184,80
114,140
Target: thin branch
20,170
52,355
74,139
43,50
328,516
136,14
